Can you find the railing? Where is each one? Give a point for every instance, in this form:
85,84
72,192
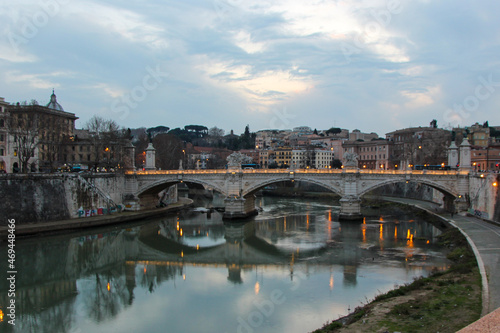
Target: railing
293,171
97,190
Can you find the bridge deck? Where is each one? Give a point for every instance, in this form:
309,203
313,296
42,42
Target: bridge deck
294,171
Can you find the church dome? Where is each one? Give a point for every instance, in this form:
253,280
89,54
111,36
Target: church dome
53,103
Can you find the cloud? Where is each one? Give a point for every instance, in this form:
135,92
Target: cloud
125,23
359,65
38,81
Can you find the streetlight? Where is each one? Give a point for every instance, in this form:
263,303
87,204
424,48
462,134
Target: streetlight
184,157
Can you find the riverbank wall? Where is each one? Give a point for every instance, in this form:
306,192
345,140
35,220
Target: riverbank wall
30,229
34,198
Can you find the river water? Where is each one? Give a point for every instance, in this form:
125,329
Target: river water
290,269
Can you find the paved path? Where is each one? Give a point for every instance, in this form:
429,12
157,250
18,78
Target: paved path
484,238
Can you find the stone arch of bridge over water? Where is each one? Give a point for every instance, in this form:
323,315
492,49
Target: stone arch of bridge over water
244,205
257,187
449,194
148,195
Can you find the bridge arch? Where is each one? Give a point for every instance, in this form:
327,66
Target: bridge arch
438,186
258,186
158,186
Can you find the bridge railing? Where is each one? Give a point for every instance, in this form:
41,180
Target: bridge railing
291,171
409,172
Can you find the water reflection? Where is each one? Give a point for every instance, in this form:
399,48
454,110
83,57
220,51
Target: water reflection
188,270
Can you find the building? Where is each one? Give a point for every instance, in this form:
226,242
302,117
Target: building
478,135
323,158
271,138
418,146
266,158
283,156
39,135
299,159
302,130
252,153
40,138
485,158
358,135
5,162
373,154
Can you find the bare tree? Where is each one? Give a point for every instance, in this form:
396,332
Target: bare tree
216,132
103,133
141,143
168,151
23,126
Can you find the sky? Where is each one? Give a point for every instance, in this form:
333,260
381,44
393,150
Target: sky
376,66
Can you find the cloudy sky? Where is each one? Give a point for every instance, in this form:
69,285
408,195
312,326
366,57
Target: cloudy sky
372,65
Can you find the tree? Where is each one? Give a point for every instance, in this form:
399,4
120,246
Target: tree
434,123
315,132
216,132
157,130
215,136
200,131
333,131
140,144
247,139
103,133
23,126
168,151
336,164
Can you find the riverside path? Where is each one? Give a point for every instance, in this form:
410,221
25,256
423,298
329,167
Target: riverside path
484,238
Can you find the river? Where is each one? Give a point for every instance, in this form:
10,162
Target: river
291,268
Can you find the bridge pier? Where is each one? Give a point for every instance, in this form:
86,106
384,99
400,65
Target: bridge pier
350,208
239,207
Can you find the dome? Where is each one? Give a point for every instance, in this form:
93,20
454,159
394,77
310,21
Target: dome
53,103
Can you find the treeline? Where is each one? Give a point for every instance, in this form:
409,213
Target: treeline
203,136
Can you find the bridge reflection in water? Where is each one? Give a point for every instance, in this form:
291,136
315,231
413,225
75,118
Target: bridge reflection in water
89,281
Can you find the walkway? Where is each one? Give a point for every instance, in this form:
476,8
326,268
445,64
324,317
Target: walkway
484,238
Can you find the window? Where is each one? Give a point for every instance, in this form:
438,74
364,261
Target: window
2,151
2,123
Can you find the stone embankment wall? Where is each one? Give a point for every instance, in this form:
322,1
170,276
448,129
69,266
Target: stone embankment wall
409,190
484,198
31,198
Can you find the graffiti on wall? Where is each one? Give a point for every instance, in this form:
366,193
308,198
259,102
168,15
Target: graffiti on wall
99,211
478,213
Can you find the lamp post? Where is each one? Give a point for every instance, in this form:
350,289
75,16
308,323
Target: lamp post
184,158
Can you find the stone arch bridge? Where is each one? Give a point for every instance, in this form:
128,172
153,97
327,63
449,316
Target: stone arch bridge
239,186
